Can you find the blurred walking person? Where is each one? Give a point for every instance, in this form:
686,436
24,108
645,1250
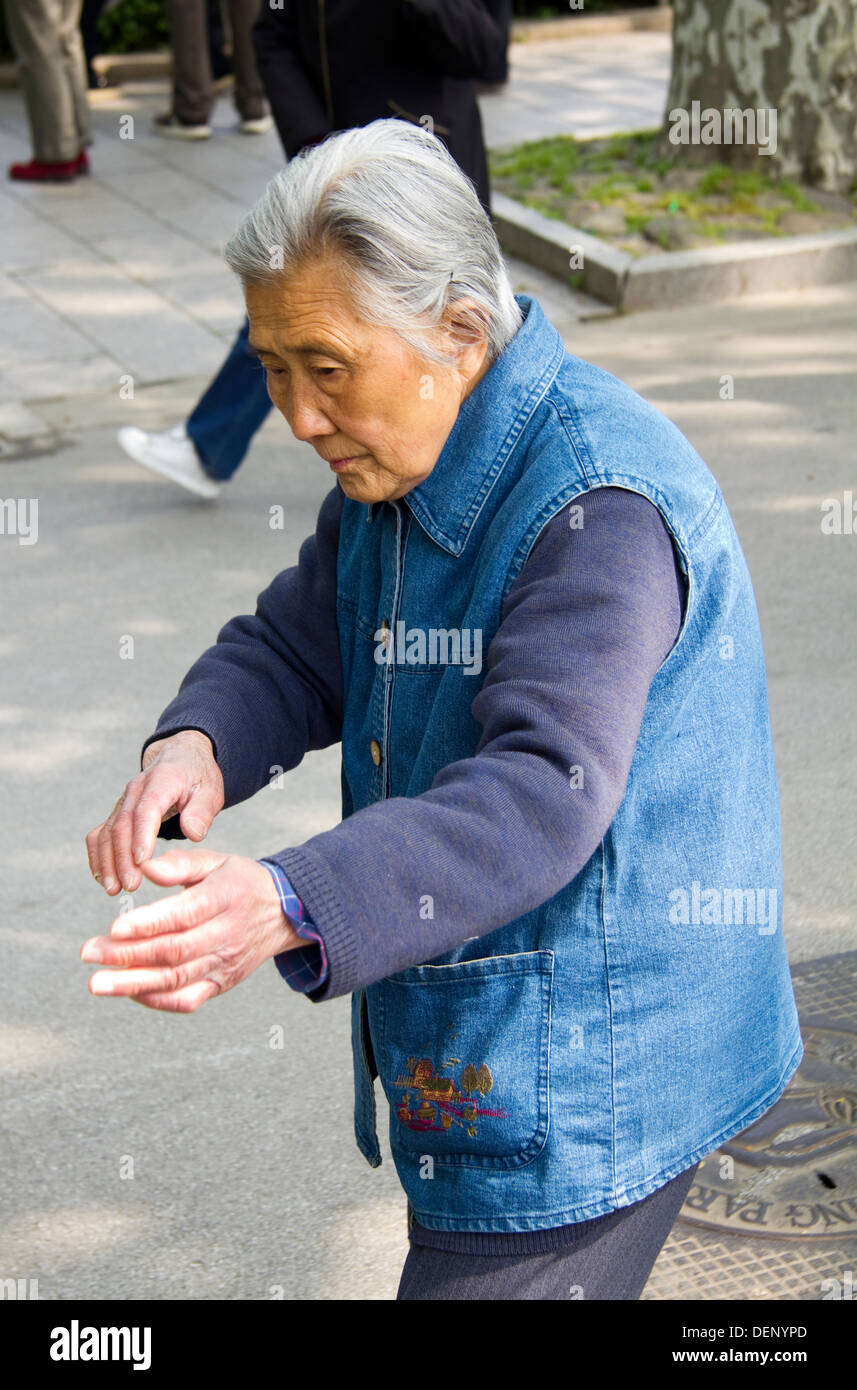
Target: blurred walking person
194,92
46,41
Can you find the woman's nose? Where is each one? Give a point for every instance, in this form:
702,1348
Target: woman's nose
306,418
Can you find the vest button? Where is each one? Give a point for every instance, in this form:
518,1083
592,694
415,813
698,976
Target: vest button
375,748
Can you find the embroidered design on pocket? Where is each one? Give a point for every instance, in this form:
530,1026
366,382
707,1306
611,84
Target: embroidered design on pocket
434,1101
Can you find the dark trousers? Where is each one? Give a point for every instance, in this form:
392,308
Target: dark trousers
611,1258
232,409
193,81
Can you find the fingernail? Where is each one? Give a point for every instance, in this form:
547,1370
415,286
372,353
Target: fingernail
97,877
139,854
109,884
128,883
91,954
101,984
195,828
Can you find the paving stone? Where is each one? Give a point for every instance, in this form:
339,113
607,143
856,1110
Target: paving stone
125,319
33,331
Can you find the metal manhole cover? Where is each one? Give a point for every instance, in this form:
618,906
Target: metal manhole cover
794,1172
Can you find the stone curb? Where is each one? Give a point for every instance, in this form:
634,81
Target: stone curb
675,277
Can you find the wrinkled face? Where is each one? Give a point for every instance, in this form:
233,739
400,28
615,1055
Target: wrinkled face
353,391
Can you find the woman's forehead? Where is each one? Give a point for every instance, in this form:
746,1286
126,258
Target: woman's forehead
307,311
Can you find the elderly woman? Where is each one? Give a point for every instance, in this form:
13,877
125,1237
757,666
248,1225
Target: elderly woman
555,894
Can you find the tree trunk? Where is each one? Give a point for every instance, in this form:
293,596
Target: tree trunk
787,68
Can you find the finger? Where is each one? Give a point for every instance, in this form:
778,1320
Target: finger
106,866
92,853
159,790
185,866
180,1001
150,816
130,982
159,800
197,815
149,951
115,840
195,907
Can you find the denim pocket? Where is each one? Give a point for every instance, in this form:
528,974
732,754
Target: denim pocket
463,1054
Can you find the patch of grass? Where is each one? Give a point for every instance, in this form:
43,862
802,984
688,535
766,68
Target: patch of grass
714,230
795,196
605,191
636,221
559,176
676,201
556,157
718,178
545,208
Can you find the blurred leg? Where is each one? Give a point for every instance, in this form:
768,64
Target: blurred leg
73,61
193,84
249,92
47,44
89,33
231,411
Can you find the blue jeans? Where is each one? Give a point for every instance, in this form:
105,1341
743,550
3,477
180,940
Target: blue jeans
233,408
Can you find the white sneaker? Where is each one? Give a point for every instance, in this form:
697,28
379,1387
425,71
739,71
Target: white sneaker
258,126
172,455
168,124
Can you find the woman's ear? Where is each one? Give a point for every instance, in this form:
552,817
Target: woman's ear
467,325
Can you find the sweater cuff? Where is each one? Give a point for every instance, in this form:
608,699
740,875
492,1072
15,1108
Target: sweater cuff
311,882
303,967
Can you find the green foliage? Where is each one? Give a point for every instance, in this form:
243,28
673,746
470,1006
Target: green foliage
622,171
604,192
550,159
795,196
134,26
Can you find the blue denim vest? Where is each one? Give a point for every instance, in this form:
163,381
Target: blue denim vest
578,1058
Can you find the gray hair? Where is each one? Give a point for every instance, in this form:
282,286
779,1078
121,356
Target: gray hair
390,202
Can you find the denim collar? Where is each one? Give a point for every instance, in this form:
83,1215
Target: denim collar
488,426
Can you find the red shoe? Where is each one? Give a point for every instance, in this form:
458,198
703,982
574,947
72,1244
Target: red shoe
37,172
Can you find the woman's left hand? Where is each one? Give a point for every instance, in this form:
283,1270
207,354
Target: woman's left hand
178,953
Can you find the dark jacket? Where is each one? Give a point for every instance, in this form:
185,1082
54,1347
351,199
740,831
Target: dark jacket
332,64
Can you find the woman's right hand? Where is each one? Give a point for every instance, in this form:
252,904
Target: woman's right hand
179,775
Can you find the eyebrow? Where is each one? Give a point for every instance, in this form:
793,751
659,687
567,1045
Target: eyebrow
323,349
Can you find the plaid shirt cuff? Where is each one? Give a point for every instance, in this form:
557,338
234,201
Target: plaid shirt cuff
304,967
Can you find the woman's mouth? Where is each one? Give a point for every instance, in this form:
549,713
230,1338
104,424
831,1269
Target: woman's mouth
338,464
